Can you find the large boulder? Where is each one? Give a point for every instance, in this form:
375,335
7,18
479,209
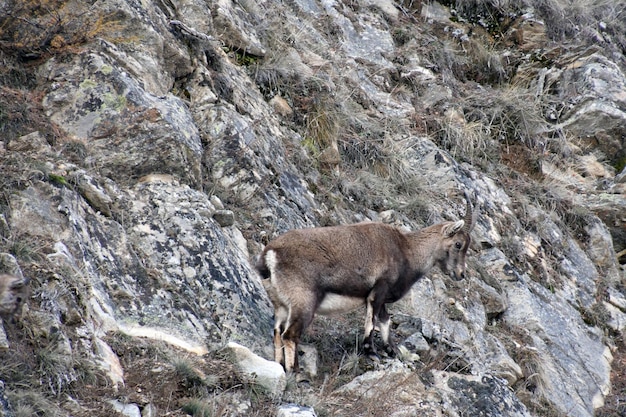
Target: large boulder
102,107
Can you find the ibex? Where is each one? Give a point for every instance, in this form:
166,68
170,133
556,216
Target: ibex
336,269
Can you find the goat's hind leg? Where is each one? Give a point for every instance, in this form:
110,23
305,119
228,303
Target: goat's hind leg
299,320
280,317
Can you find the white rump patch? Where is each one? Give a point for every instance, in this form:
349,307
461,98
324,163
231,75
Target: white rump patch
273,288
335,303
271,261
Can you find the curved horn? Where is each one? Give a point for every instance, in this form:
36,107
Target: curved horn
470,215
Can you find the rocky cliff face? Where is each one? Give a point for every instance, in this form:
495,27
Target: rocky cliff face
150,150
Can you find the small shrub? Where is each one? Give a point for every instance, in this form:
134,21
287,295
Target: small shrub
192,377
322,122
56,371
198,408
25,247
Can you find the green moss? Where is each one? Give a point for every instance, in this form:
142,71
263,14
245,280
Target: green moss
311,146
88,83
106,69
114,101
241,58
58,180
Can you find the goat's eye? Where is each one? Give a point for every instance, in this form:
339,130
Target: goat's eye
458,245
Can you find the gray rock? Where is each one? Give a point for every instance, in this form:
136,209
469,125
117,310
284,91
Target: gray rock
480,395
224,218
604,105
405,394
4,341
96,196
417,343
149,410
564,343
5,407
32,141
232,22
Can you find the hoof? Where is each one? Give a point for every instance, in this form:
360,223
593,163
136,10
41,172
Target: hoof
370,352
391,352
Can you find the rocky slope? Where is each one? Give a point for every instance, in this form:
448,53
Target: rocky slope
151,148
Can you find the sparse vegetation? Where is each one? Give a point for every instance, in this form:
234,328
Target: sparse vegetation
505,127
322,122
31,403
531,387
21,113
198,408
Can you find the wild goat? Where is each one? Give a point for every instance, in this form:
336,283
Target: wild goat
336,269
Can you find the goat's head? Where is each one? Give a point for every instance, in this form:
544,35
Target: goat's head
456,240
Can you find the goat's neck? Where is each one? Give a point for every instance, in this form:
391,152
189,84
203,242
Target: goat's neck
423,246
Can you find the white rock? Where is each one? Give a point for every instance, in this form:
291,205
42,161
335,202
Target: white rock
267,374
4,341
110,363
130,410
294,410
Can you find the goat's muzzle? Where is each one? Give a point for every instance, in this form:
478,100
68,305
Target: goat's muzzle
458,274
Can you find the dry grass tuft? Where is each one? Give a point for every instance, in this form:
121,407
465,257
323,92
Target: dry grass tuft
21,113
511,116
29,403
465,141
563,19
322,122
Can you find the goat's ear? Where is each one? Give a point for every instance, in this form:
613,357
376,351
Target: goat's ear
451,229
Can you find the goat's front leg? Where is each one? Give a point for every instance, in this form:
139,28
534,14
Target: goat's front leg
374,303
369,348
384,322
